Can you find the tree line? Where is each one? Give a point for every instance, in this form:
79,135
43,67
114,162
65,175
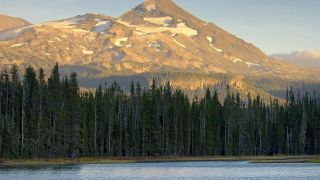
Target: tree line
42,117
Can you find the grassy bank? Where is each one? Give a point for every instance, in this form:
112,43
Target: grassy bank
61,161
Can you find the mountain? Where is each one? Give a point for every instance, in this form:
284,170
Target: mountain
302,58
156,39
7,22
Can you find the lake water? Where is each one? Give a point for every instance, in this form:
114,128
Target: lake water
166,171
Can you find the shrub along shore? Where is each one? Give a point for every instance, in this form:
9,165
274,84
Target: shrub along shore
90,160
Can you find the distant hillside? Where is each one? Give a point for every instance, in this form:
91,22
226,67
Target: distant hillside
303,58
7,22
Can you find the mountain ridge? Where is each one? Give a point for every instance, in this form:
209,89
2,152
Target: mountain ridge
156,36
8,22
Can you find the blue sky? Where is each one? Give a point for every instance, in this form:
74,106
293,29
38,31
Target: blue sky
275,26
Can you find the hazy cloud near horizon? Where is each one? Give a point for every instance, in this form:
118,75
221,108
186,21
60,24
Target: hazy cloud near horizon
272,25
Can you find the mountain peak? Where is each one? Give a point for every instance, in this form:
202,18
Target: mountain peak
156,9
160,6
156,2
165,6
156,36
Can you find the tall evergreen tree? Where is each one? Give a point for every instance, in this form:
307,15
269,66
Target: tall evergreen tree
43,119
31,104
55,109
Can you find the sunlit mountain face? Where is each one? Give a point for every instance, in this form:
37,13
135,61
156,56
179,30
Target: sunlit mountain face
156,39
7,22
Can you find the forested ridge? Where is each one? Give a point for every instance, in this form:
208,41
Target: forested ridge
42,117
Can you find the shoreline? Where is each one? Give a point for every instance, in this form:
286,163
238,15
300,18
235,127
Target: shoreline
126,160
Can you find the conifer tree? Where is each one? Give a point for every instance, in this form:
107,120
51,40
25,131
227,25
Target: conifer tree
43,119
55,110
31,90
15,108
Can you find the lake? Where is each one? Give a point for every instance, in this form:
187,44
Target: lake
167,171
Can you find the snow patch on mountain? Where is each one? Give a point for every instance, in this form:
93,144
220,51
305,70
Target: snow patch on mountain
252,65
80,31
162,21
154,44
18,45
210,39
58,39
181,28
87,52
179,43
120,41
237,60
139,33
102,26
217,49
65,24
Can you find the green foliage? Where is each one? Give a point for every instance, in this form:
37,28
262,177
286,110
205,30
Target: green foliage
52,118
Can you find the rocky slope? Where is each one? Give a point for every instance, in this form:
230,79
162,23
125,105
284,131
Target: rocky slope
157,37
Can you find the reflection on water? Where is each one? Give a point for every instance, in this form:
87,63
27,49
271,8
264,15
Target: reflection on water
168,171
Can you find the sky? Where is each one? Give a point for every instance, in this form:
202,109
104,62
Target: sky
275,26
